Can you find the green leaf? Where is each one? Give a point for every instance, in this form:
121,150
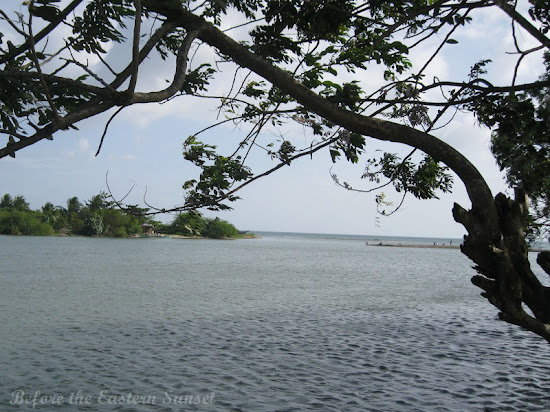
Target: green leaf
328,83
47,13
310,60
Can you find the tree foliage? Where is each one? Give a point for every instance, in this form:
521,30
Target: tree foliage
521,144
188,224
194,224
340,69
98,217
17,222
218,229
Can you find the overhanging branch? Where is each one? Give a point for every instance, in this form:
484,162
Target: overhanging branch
476,186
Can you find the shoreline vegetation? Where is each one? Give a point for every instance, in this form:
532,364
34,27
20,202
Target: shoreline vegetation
100,217
174,236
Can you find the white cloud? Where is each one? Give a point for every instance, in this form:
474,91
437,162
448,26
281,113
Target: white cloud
68,153
83,144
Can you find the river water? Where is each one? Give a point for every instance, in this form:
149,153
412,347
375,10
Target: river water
272,324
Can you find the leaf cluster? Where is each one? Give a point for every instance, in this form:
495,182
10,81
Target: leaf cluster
422,180
520,142
217,176
101,22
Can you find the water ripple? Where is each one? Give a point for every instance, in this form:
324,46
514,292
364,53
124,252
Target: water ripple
296,361
320,328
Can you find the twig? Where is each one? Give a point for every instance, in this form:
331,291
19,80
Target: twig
523,22
107,127
91,73
43,33
12,24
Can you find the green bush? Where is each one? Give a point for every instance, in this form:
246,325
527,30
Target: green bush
219,229
188,224
163,228
93,225
17,222
119,232
133,227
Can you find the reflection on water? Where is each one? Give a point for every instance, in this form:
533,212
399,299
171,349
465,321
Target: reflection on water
272,324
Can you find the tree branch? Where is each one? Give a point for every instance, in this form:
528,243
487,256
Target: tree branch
179,75
107,128
88,110
56,79
162,31
523,22
476,186
39,69
135,48
43,33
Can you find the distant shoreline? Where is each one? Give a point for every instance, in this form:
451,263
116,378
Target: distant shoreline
420,246
414,245
168,236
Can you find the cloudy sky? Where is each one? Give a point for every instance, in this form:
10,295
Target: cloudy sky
144,144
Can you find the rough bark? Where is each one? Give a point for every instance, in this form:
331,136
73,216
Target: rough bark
505,273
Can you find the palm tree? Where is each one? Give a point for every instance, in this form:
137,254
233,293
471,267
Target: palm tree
19,203
6,202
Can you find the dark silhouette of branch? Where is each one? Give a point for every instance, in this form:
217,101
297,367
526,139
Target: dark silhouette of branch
523,22
39,69
135,48
43,33
107,127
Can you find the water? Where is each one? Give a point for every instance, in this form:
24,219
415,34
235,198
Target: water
272,324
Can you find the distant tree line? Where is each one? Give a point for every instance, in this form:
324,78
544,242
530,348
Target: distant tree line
99,217
96,217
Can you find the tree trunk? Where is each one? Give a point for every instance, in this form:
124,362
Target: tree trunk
503,265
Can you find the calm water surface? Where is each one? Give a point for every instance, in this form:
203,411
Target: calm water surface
274,324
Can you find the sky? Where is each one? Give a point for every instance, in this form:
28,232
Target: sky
143,150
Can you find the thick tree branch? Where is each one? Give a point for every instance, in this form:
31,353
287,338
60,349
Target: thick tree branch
543,259
179,75
135,48
88,110
11,74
